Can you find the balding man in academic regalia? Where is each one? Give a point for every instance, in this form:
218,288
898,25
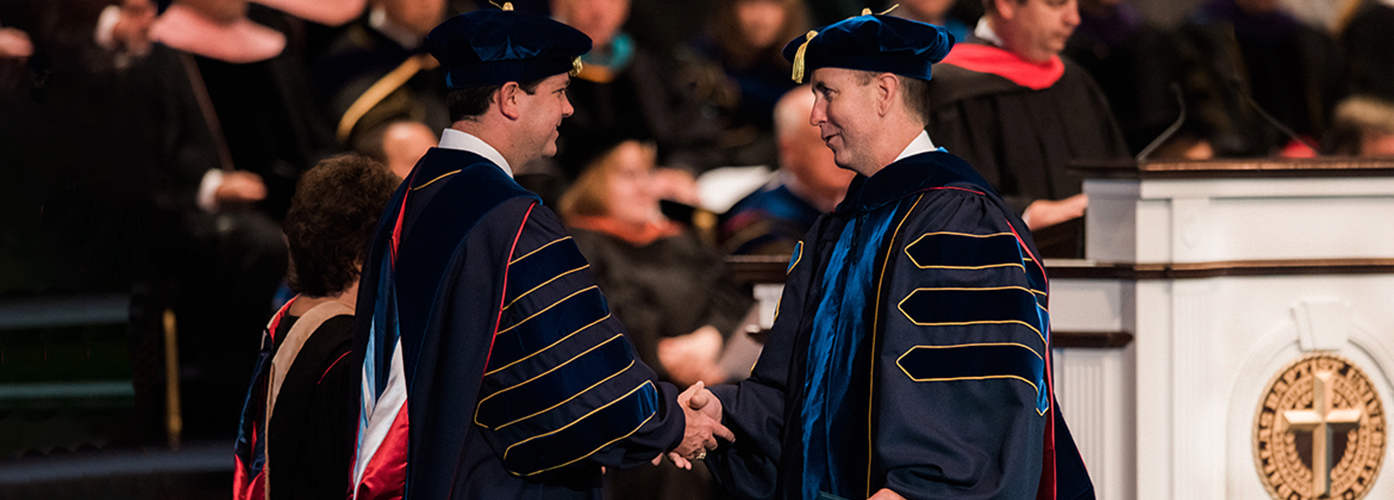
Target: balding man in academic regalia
910,354
491,365
1006,102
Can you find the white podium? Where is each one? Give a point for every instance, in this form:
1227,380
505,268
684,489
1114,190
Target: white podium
1232,326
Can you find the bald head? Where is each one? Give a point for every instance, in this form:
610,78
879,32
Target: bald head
803,154
791,113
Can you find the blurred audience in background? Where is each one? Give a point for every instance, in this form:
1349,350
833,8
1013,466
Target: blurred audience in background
1363,126
1134,62
745,40
397,144
944,13
774,218
1367,33
1252,54
667,287
377,72
998,101
672,292
627,89
151,148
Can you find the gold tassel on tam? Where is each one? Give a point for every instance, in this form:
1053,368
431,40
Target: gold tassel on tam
506,7
799,56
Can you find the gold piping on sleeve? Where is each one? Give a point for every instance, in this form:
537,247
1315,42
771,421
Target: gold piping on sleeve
545,283
988,377
962,268
970,235
549,346
901,307
573,396
545,309
539,249
592,452
535,377
648,383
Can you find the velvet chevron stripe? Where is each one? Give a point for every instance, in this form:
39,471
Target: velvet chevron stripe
976,306
930,363
948,250
549,388
583,436
521,337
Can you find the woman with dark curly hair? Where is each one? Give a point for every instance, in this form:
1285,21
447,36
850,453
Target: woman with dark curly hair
300,415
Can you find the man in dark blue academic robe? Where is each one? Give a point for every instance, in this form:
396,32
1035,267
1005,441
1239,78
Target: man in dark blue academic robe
910,354
491,365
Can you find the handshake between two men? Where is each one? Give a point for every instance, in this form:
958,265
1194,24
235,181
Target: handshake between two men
703,415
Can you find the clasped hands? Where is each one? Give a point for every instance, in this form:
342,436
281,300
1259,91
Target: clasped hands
703,412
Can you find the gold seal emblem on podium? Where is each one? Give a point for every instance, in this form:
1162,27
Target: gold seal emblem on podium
1320,431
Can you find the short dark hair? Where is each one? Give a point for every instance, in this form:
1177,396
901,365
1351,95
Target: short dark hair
990,6
916,96
916,92
470,102
331,219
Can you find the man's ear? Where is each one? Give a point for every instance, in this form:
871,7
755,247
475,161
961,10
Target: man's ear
1006,9
507,100
888,88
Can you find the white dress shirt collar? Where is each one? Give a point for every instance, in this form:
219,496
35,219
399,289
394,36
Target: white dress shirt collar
464,141
985,32
921,144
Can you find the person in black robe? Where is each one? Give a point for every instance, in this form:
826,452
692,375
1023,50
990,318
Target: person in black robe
1006,102
662,282
377,72
300,414
743,43
910,353
251,93
625,89
672,292
1134,63
1252,54
1366,37
492,367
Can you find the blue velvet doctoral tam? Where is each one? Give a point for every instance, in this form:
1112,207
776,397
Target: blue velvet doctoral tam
910,351
492,47
878,43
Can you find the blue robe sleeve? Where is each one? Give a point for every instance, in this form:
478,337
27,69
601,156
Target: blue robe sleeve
962,395
754,408
563,386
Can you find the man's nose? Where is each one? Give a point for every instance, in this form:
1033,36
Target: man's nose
1072,15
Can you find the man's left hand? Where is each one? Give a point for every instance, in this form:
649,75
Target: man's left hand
886,494
699,405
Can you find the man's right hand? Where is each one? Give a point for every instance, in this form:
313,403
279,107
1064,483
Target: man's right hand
703,412
239,188
1045,213
15,44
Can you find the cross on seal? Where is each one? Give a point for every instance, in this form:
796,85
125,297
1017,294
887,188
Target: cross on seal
1322,421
